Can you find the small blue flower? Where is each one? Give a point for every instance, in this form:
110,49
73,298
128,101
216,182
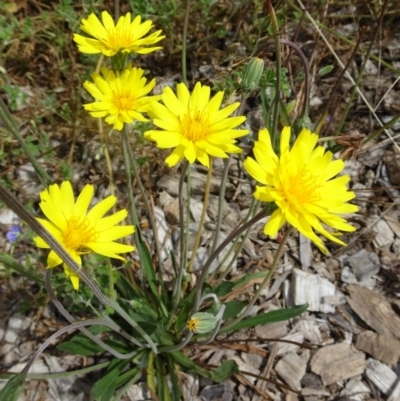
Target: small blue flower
13,234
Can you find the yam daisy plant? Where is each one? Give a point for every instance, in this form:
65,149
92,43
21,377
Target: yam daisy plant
147,313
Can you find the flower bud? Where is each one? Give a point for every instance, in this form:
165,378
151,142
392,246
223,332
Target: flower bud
202,322
252,74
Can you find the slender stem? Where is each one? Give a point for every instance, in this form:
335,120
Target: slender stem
278,67
58,375
182,217
202,217
221,201
14,204
214,255
58,333
307,80
176,294
88,334
11,263
149,210
177,347
184,42
132,208
12,126
262,285
253,208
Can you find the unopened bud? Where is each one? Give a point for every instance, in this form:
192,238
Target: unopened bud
252,74
202,322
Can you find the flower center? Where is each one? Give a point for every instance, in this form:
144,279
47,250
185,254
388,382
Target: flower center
300,188
120,38
78,233
123,101
195,127
192,324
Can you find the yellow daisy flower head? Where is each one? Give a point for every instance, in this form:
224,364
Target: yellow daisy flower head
127,36
78,230
121,96
301,183
195,125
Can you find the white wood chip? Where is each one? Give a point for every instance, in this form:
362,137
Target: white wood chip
291,368
311,289
164,236
305,250
284,348
337,362
355,389
395,394
310,330
384,234
381,375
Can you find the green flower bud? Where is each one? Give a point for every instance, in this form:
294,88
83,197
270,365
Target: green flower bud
202,322
252,74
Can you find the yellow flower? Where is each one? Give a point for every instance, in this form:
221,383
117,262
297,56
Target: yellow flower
109,39
78,230
121,96
300,182
194,125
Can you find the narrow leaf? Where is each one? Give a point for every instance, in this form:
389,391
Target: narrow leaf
224,371
13,388
269,317
233,308
187,363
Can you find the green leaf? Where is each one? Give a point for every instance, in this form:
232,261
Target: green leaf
186,362
162,385
13,388
224,288
104,389
269,317
176,393
224,371
232,309
325,70
84,346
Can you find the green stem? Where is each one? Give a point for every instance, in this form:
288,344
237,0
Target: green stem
262,285
214,255
184,42
221,201
253,209
278,67
132,208
11,263
147,206
176,294
12,126
202,217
